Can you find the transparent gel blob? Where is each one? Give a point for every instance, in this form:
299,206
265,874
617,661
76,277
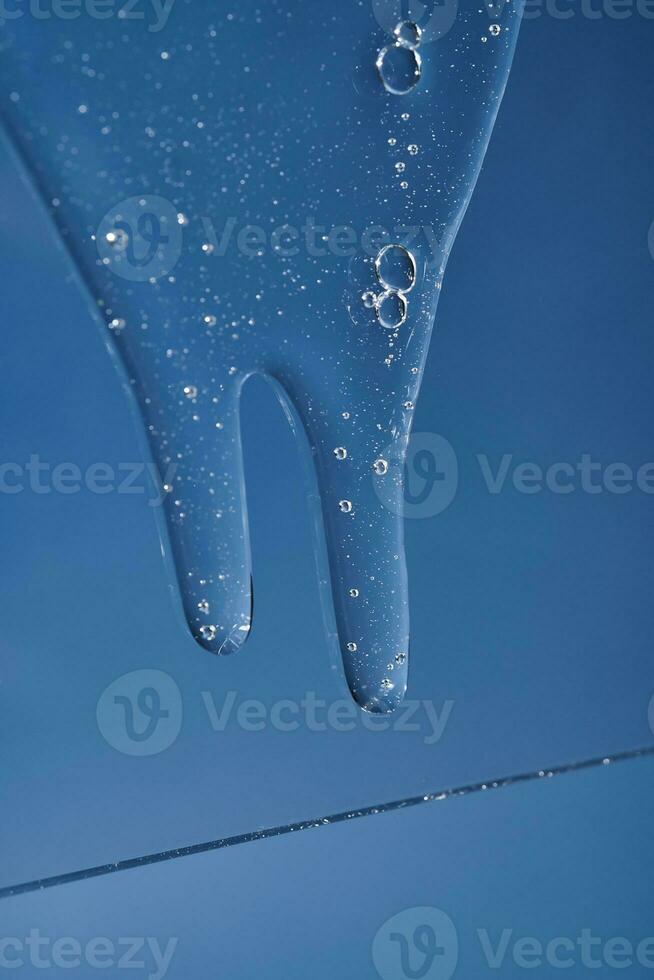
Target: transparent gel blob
221,184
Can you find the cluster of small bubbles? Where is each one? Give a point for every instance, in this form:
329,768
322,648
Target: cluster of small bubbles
208,633
380,466
392,141
408,406
399,64
400,167
354,593
210,320
340,452
368,299
400,658
387,684
405,117
190,391
345,506
495,30
203,606
345,415
182,219
352,647
412,148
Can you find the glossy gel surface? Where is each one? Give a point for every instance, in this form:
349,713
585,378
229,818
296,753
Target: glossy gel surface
226,214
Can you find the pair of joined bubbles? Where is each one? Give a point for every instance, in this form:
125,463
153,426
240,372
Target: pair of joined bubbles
399,64
395,268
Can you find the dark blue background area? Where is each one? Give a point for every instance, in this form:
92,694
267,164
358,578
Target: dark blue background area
532,613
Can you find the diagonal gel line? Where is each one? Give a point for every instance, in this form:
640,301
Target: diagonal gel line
216,845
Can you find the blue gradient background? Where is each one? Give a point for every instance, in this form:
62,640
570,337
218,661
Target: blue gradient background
533,614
